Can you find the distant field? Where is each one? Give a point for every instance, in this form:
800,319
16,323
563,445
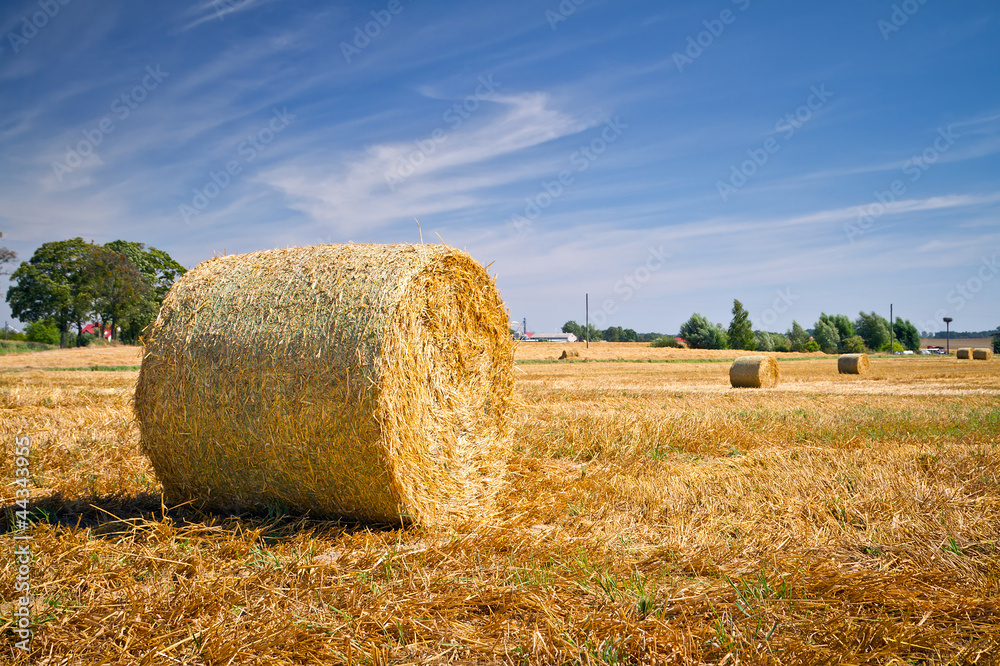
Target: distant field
652,514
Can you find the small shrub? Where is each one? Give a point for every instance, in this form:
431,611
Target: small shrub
853,345
812,346
665,341
42,331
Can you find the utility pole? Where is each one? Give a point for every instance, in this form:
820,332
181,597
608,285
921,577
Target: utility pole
586,319
947,333
891,332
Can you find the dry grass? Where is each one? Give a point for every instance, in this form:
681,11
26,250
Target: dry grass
653,515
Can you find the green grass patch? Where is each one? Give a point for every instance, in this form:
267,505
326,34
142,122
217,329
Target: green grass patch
21,347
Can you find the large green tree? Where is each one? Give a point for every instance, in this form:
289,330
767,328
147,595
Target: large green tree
117,286
826,336
797,337
873,329
842,324
906,333
740,331
699,333
53,284
160,271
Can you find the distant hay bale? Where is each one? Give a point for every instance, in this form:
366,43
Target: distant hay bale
569,353
754,372
964,352
982,354
371,382
853,364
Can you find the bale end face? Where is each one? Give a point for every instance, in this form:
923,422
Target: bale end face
853,364
754,372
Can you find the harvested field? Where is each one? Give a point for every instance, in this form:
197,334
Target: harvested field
653,515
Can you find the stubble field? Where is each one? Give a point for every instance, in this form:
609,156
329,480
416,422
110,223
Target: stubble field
652,515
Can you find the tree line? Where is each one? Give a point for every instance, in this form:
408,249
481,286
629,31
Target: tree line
832,334
68,284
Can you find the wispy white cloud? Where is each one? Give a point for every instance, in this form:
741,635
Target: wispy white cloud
353,191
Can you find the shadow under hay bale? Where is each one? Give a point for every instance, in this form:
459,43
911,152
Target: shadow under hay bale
982,354
569,353
853,364
370,382
964,352
754,372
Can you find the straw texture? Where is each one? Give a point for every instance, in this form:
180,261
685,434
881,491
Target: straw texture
569,353
964,352
372,382
853,364
754,372
982,353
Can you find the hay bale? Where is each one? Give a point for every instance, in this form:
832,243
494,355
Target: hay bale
964,352
372,382
982,354
754,372
569,353
853,364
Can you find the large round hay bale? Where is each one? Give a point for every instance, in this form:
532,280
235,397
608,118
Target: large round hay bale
982,353
964,352
569,353
754,372
372,382
853,364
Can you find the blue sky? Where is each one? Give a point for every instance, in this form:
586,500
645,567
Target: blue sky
664,157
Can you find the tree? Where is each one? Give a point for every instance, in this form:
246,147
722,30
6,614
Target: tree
160,272
907,334
155,264
702,334
574,328
53,284
996,341
118,287
853,345
581,332
6,257
764,341
797,337
740,332
873,329
841,323
781,342
827,336
629,335
42,331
